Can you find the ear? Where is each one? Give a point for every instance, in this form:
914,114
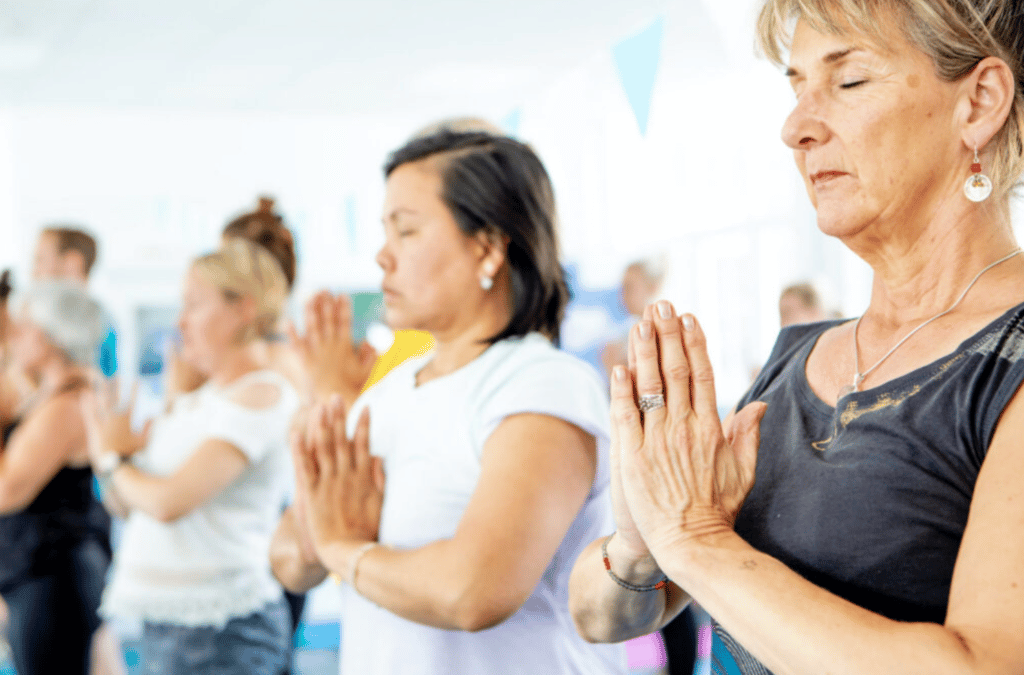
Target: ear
988,97
247,309
493,247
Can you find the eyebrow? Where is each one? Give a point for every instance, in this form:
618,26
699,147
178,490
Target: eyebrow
399,211
830,58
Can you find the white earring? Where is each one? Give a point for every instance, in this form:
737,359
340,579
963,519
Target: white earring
978,186
486,283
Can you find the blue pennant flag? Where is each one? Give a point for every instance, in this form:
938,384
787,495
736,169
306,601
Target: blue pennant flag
636,59
511,122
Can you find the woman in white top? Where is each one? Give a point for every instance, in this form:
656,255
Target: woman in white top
205,489
490,467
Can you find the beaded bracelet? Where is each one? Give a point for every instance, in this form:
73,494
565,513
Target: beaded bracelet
622,582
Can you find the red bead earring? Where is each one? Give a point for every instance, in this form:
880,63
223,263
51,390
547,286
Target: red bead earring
978,186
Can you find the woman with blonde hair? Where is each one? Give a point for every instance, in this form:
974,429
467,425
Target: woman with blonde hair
54,535
863,511
204,490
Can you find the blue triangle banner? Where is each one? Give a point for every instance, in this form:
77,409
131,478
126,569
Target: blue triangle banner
637,59
511,122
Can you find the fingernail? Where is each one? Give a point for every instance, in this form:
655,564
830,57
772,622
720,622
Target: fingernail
645,330
665,309
619,373
688,322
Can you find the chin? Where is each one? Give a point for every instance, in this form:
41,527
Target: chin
835,221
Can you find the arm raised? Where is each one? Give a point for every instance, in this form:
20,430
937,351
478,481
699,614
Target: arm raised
37,450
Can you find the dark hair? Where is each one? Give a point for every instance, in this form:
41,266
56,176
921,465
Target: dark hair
267,229
70,239
497,185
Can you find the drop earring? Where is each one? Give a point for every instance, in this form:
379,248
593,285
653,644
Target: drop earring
978,186
486,283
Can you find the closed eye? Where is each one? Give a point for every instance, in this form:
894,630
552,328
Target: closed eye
851,85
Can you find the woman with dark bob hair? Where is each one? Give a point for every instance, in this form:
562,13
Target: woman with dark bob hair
863,512
476,473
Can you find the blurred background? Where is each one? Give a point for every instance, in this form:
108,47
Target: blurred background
151,124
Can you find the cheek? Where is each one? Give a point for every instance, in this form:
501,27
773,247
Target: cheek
437,277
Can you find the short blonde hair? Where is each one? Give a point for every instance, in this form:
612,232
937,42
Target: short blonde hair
955,34
242,269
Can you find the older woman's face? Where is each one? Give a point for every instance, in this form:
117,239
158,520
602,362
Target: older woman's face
873,133
430,266
30,347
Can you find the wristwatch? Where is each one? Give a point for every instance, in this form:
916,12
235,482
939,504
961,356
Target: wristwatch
107,463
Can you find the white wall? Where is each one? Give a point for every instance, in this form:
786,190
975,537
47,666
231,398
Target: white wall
711,185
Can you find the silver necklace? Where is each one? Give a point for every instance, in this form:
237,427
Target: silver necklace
859,376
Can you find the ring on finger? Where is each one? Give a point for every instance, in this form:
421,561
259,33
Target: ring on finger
650,402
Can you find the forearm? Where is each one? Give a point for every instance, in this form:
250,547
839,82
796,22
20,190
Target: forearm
440,584
153,495
604,611
797,628
294,564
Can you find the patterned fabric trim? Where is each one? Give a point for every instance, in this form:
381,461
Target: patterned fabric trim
729,658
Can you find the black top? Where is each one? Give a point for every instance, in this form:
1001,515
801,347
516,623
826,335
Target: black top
64,514
869,500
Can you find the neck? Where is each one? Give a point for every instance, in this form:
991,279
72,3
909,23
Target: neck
464,340
920,274
236,363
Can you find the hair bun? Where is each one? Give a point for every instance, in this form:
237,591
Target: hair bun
265,204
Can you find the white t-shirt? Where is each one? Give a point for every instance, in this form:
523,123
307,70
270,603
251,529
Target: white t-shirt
213,564
432,439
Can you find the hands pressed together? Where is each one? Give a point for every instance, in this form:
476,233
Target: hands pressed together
679,477
333,363
108,427
340,485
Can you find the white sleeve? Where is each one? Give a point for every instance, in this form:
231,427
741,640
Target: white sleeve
561,387
255,432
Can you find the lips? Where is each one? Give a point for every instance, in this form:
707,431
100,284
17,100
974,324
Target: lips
826,176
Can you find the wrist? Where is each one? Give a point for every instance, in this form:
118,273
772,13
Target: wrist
699,557
107,462
342,558
635,567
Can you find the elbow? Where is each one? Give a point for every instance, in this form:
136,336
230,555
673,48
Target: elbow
287,569
10,499
587,627
476,611
168,514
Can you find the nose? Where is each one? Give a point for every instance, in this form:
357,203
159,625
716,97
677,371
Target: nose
384,258
805,127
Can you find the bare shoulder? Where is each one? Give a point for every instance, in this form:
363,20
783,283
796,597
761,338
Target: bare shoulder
257,395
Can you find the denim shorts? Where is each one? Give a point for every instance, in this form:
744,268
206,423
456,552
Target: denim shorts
259,644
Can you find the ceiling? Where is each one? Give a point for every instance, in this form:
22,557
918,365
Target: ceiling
338,57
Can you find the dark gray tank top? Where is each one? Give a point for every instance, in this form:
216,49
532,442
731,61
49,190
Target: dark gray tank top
869,500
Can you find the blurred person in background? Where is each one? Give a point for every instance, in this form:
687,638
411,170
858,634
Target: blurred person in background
203,490
54,536
489,465
862,511
641,282
800,303
68,252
